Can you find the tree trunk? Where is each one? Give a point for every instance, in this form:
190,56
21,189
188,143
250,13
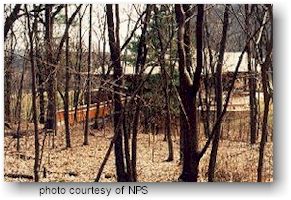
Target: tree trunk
41,81
88,98
19,108
113,34
67,82
140,62
8,77
78,69
206,116
251,81
40,74
102,79
219,91
11,19
134,139
188,92
33,91
7,96
168,119
267,96
265,80
164,75
51,69
126,132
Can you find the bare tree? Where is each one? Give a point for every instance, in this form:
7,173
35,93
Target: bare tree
11,19
19,107
50,68
78,68
41,72
88,97
113,35
188,91
8,76
165,77
9,61
219,92
139,66
67,82
33,91
53,61
265,68
252,80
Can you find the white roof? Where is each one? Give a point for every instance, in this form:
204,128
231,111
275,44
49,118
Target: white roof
230,62
231,59
129,69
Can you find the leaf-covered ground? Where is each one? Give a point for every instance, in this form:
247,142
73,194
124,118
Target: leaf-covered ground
236,161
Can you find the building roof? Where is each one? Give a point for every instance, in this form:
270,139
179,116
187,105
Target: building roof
129,69
230,62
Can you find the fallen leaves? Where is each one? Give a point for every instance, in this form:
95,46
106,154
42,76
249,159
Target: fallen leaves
236,161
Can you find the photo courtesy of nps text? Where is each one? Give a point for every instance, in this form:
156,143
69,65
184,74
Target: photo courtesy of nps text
104,191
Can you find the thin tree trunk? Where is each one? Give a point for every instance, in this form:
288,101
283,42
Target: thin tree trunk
41,83
264,137
206,82
11,19
251,82
140,62
134,139
165,90
102,79
88,98
168,119
219,90
33,91
187,38
19,108
67,82
51,69
8,77
113,34
265,81
78,69
126,129
206,117
40,74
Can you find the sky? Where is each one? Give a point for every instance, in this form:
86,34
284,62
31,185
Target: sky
126,11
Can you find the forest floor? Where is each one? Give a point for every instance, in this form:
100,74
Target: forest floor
236,161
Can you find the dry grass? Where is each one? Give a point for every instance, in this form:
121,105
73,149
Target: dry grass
236,161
